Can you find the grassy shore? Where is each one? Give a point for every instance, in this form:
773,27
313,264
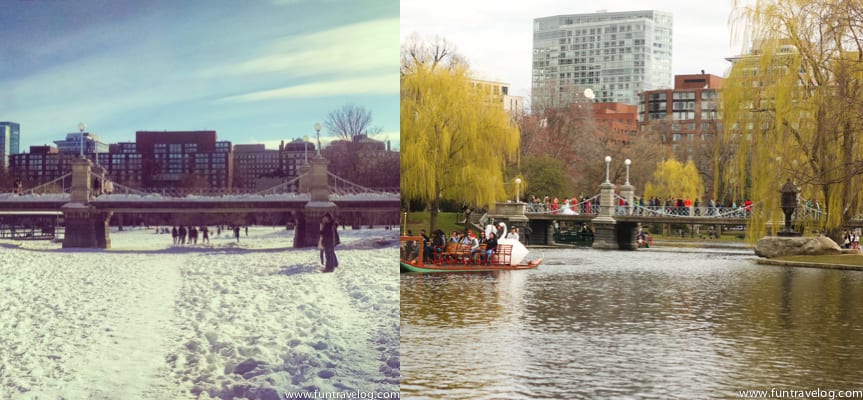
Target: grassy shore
730,237
446,221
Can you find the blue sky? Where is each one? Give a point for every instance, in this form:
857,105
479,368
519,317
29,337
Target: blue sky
254,71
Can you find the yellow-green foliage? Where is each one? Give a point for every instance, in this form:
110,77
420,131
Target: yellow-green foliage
790,109
455,140
675,180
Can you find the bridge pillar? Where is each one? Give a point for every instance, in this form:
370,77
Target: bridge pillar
606,201
85,227
628,193
81,183
307,230
605,235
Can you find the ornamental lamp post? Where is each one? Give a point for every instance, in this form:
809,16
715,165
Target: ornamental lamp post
517,183
81,127
607,164
627,162
318,130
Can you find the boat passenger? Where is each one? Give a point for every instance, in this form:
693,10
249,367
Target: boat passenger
453,237
513,234
475,245
490,248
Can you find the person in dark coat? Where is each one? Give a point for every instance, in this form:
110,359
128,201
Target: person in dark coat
182,234
175,234
490,247
206,233
237,233
328,240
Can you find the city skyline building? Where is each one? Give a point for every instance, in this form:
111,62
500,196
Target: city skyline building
614,54
5,134
514,105
163,160
72,144
173,159
685,118
11,144
258,168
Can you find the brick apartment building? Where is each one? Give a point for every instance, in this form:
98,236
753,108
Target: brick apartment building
686,117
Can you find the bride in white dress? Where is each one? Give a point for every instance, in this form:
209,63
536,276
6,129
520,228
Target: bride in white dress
568,208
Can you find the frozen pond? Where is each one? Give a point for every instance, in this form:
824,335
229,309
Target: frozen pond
147,319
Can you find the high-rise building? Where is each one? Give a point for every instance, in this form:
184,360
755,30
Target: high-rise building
14,136
4,147
615,54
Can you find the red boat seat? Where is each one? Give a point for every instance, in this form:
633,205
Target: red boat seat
503,255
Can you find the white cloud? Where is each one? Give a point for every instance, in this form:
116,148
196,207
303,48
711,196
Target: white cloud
349,49
372,85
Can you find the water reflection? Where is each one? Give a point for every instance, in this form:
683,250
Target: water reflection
591,324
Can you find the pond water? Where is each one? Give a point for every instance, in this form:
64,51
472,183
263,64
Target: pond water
644,324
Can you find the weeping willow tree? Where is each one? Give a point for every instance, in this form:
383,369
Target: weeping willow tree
673,179
792,108
456,138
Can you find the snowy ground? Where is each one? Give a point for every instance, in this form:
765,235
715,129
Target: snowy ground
149,320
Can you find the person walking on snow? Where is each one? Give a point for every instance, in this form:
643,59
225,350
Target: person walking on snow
328,240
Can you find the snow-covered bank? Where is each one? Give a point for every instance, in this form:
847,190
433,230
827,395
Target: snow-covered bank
147,319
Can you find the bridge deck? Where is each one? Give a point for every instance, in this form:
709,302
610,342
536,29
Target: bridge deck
200,205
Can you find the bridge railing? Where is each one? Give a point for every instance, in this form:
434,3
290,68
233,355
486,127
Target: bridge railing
674,211
589,206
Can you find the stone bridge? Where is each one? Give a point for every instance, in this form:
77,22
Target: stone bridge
615,226
86,216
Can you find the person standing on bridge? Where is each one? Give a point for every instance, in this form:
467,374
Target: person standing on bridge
237,232
206,232
174,234
327,241
182,235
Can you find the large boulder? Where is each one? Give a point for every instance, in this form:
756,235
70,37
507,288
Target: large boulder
777,246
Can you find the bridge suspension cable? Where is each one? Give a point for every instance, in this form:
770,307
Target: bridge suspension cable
343,186
282,187
41,188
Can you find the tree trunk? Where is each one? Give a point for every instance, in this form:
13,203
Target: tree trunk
435,205
834,233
